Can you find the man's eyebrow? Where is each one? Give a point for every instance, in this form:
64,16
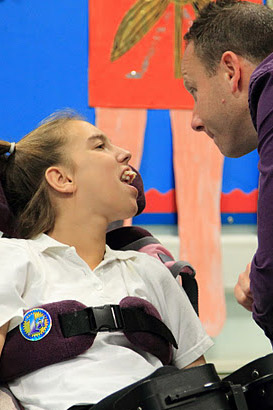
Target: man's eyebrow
186,84
183,71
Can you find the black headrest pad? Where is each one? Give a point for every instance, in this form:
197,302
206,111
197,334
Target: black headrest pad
138,183
6,218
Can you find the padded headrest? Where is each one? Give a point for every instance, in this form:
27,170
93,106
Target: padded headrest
6,218
138,183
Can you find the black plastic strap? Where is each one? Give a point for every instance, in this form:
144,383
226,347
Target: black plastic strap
113,318
91,320
238,396
190,286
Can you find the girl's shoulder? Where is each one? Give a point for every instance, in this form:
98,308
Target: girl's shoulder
10,244
14,250
151,267
13,241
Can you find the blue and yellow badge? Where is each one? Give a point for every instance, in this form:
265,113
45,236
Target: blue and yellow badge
36,324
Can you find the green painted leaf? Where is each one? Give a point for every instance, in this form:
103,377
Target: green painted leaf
136,23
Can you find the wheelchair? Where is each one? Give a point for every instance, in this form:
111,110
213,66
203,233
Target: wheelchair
248,388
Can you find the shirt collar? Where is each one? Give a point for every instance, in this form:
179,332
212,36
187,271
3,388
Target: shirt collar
111,254
44,242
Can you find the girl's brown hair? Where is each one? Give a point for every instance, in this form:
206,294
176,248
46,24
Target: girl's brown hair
22,173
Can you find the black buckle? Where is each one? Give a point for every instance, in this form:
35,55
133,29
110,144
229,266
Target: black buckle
107,318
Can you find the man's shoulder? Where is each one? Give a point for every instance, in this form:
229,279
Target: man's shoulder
261,84
264,68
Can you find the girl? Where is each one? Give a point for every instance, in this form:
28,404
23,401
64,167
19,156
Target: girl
65,183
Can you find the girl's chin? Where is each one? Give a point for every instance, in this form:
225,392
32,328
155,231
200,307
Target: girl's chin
128,215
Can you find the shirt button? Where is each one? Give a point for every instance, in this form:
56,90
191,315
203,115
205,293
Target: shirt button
98,286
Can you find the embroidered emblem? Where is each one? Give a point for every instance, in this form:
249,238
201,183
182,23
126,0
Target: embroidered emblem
36,324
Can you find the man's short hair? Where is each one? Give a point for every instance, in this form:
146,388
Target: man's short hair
228,25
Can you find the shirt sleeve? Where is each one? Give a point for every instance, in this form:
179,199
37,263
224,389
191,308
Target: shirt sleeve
178,314
261,275
13,282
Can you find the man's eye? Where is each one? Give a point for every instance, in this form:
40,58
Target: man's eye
193,91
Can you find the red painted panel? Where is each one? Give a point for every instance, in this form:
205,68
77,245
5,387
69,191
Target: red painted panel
235,201
144,76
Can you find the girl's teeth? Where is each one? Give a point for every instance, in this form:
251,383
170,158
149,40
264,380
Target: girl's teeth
128,176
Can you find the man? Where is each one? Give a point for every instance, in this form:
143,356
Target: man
228,69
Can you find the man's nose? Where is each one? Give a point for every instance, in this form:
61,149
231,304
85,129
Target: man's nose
196,122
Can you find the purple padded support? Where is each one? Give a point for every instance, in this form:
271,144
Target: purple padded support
148,342
21,356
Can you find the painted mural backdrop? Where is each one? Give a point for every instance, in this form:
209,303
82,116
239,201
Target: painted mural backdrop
44,66
135,46
135,51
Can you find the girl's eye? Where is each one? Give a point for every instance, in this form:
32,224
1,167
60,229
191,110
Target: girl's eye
100,146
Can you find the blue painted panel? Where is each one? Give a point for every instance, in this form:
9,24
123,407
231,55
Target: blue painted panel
157,164
241,173
155,219
43,62
239,219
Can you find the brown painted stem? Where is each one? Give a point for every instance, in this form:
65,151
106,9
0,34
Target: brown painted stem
177,40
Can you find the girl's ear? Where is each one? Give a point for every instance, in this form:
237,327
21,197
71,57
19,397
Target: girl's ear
230,63
60,180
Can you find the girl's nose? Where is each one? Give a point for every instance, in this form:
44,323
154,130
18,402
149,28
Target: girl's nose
123,155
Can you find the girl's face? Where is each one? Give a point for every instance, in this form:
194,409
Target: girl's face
98,169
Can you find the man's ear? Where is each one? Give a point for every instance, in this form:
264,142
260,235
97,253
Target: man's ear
60,179
231,66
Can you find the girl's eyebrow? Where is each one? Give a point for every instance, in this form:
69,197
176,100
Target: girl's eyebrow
101,137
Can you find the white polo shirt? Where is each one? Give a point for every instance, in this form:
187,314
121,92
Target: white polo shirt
39,271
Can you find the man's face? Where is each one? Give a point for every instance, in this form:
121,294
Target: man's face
218,111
